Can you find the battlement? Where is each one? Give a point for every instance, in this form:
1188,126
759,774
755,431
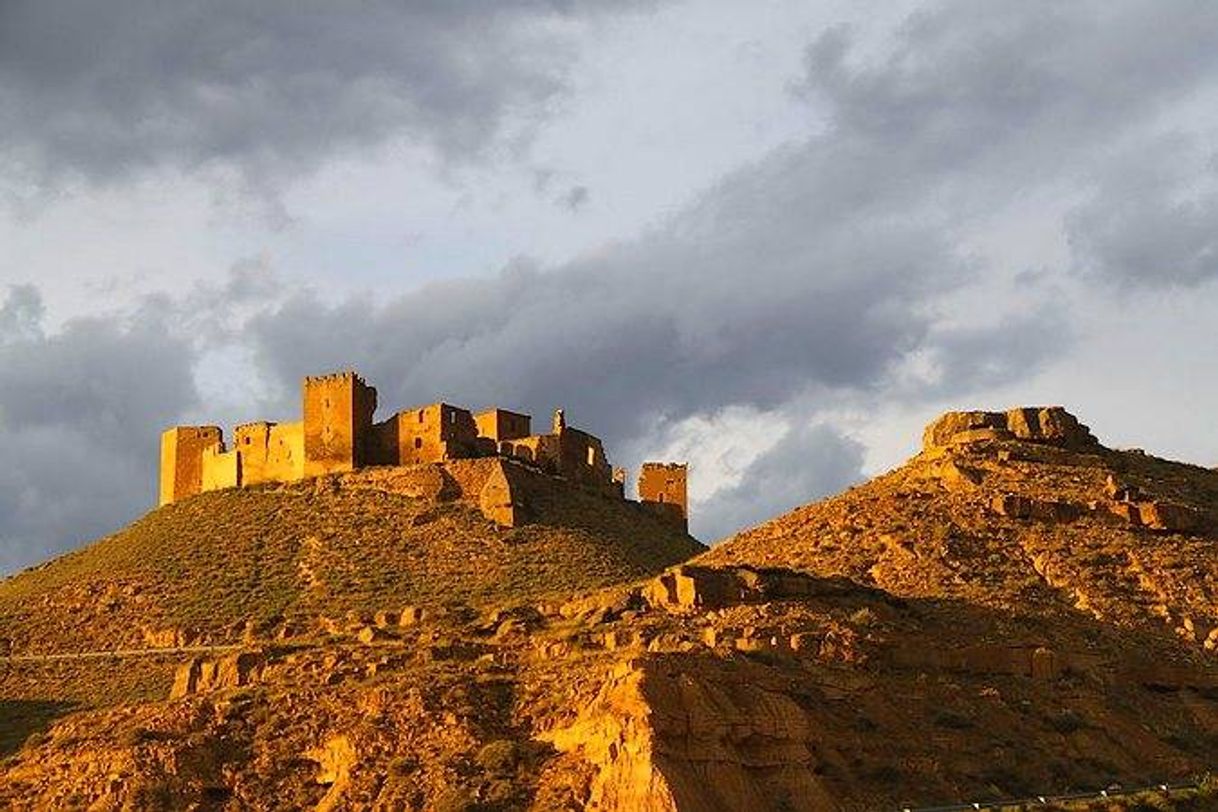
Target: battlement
337,433
347,375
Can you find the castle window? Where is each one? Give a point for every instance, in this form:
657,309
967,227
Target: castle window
418,442
660,498
591,455
420,415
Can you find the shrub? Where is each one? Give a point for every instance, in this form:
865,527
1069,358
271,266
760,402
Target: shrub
499,756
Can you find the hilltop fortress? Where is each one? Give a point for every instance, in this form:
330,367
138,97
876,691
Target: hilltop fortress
337,435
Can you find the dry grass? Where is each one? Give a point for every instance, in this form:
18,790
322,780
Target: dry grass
221,559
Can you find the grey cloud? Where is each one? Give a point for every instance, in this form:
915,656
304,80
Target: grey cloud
1152,220
823,266
808,462
575,198
80,413
21,315
990,98
101,90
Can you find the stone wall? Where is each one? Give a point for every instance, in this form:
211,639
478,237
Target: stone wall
270,452
221,469
434,433
501,424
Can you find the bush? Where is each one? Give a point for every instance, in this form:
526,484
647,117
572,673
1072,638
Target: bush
499,756
403,765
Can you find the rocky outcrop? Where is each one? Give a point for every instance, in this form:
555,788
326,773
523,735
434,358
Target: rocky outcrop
334,761
1050,425
663,739
197,676
690,587
1014,506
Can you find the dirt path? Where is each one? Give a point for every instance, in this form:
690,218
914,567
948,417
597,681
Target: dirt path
118,652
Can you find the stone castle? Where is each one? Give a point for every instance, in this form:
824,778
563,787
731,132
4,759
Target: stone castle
337,434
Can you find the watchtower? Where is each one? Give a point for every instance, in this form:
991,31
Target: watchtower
182,460
662,488
338,412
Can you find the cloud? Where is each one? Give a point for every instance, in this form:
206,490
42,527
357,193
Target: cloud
837,271
575,198
829,266
80,414
809,462
270,89
1152,219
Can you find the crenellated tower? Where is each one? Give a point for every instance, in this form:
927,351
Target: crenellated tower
338,412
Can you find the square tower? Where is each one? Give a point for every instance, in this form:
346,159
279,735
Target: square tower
182,450
662,488
337,422
435,433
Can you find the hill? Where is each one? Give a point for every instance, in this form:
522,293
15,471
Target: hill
1016,611
1041,521
284,557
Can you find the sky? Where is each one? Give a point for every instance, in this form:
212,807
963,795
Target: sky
773,239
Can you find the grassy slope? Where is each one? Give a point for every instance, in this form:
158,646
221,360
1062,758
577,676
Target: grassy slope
311,549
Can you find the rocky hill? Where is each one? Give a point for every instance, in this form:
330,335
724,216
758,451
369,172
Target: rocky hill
1016,611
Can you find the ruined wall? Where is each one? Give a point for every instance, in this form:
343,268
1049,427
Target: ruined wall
663,490
498,486
501,424
337,422
270,452
567,452
221,469
435,433
182,460
381,444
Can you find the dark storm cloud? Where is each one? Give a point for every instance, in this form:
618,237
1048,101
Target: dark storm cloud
807,463
98,90
814,274
823,266
80,409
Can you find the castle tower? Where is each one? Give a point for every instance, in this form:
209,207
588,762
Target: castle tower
182,450
337,422
662,488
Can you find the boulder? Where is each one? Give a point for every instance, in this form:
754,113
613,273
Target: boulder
386,618
1165,516
1012,506
960,427
197,676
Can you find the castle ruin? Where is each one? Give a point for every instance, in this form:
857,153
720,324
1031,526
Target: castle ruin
337,435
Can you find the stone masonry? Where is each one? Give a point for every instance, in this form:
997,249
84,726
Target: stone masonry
338,434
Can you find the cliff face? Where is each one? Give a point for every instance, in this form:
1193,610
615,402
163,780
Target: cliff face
1016,611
